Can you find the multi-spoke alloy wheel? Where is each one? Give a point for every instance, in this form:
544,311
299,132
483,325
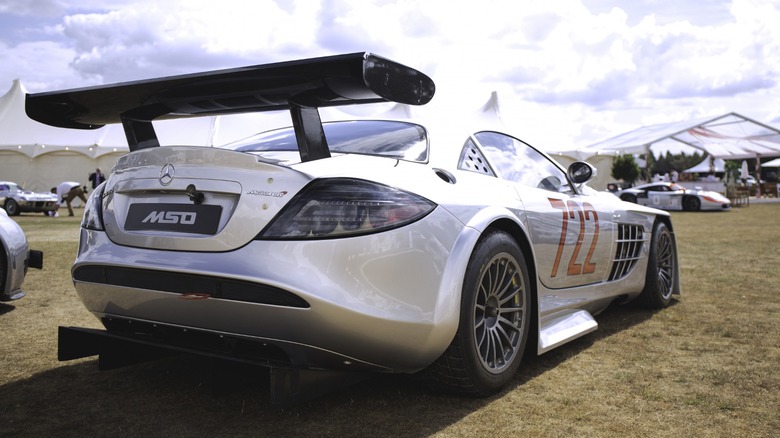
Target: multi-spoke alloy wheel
661,270
494,320
498,312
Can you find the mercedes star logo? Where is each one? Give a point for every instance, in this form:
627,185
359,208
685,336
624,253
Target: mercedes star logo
166,174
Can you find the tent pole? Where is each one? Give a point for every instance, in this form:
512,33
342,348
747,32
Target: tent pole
758,176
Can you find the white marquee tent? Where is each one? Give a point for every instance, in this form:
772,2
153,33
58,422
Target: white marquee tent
38,156
709,164
729,136
772,163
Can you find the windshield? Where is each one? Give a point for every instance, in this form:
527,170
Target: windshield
400,140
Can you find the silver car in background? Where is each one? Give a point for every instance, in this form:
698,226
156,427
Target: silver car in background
15,200
15,258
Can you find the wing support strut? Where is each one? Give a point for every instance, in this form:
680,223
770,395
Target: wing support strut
307,124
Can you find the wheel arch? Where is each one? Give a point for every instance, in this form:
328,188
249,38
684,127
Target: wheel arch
504,220
519,235
666,220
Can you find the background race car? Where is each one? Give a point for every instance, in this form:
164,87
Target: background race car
15,200
673,196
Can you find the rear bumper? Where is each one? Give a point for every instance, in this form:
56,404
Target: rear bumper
384,302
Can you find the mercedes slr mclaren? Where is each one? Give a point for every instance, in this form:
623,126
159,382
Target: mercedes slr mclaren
391,244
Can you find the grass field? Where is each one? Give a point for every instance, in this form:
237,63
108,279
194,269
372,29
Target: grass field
708,366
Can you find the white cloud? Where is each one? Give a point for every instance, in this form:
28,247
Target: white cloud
568,72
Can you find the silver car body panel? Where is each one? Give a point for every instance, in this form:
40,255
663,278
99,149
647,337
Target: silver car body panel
14,246
387,301
362,314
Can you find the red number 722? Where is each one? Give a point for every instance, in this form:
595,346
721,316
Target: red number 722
573,211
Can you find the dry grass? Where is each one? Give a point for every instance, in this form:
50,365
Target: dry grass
708,366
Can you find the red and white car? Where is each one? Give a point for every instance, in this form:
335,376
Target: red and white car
673,196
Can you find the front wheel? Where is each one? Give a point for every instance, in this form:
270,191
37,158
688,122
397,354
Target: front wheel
12,208
661,273
494,321
629,198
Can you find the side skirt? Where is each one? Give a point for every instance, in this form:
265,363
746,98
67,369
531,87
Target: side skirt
562,327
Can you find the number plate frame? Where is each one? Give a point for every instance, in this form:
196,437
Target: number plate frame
178,218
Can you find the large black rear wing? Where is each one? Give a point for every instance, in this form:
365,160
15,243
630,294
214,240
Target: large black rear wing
298,86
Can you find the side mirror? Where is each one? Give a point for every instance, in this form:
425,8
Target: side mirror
581,172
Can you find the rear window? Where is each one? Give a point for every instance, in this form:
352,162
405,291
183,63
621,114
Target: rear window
392,139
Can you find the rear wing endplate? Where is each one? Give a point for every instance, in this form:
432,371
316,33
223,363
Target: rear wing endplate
300,86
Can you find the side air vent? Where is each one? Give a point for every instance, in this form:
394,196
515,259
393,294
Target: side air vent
471,159
629,246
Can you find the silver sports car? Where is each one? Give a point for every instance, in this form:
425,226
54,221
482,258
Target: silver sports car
353,245
15,200
15,258
672,196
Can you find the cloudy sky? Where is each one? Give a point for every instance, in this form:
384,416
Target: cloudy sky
568,73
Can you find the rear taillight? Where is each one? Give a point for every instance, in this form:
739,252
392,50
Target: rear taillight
93,210
342,207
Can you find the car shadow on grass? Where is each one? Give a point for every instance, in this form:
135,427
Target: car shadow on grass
615,319
198,397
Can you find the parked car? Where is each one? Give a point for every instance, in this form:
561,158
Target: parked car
15,258
673,196
15,200
356,245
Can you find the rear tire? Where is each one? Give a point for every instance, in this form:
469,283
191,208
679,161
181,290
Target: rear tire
691,203
661,270
494,321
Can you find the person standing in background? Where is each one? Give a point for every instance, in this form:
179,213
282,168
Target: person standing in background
96,178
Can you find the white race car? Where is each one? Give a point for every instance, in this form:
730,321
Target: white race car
672,196
386,245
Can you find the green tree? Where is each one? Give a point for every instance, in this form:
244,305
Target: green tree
624,167
666,163
732,171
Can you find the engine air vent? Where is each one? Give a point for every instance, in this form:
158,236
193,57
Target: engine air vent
629,247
